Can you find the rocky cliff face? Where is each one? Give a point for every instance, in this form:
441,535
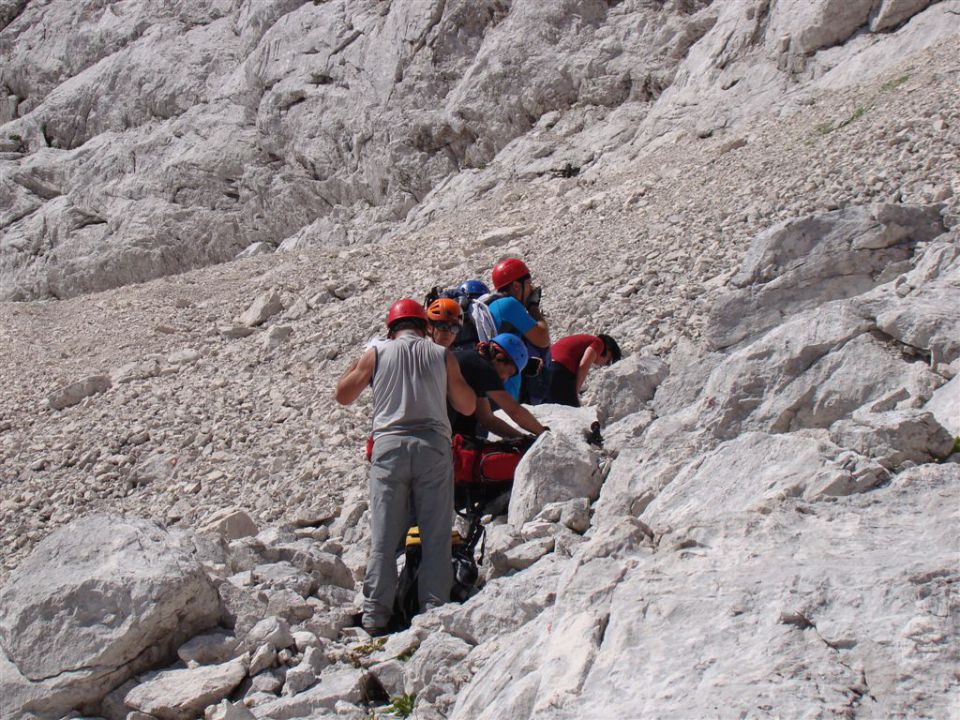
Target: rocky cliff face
757,199
144,139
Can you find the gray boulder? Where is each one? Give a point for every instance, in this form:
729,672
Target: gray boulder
756,472
623,388
804,263
857,588
75,392
96,602
262,309
183,694
809,372
230,523
209,649
945,406
335,685
558,467
894,437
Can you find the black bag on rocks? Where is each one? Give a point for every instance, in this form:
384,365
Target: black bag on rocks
465,574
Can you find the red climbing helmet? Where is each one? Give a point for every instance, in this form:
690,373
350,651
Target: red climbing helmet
506,271
404,309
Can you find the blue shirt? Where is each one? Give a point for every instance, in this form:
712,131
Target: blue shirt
511,316
511,313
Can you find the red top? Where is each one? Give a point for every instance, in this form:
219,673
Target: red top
569,351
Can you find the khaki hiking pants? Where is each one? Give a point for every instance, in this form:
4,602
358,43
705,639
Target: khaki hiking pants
409,470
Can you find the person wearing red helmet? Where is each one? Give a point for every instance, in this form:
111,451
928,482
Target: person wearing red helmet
517,309
412,380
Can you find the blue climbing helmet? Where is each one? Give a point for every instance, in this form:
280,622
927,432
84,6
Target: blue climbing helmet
514,348
474,288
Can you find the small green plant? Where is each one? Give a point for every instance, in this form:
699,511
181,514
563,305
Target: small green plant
16,138
857,114
356,654
370,647
408,653
825,128
895,83
956,445
401,705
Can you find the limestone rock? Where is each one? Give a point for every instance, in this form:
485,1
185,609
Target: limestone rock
130,372
506,604
254,249
264,658
227,710
262,309
756,472
893,12
208,649
804,263
812,370
183,694
574,514
327,568
98,601
334,685
271,630
500,236
229,523
894,437
283,575
438,651
526,554
277,336
801,598
623,388
558,467
945,406
75,392
187,356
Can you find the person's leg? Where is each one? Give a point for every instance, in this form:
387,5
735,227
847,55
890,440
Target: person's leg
389,488
433,497
563,386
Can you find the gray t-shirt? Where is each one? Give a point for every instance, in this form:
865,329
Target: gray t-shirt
410,387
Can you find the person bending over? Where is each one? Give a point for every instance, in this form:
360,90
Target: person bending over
570,361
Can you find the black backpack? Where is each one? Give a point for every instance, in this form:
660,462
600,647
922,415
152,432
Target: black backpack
406,605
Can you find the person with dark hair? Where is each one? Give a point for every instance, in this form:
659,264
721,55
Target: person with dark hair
485,370
412,379
444,320
515,308
571,359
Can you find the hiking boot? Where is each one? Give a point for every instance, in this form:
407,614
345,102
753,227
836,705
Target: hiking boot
376,631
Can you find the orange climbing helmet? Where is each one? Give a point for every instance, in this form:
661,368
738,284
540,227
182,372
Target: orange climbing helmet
445,310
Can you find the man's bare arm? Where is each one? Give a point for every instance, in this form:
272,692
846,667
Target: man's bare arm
460,395
356,378
586,362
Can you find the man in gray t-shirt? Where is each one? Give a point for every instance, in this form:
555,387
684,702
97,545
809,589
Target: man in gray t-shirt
412,380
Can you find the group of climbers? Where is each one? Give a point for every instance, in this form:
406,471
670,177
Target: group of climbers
556,373
439,374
